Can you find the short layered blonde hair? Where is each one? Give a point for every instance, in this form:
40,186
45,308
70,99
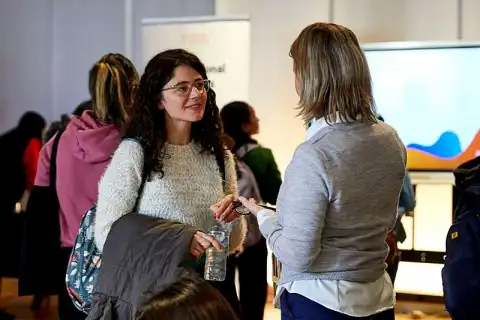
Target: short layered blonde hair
333,75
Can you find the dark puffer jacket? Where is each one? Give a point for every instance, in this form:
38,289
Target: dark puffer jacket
461,271
141,255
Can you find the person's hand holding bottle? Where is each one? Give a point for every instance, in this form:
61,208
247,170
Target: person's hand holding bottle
201,242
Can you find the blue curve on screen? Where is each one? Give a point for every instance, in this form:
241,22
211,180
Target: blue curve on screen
447,146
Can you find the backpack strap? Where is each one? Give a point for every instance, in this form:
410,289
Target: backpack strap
246,148
53,159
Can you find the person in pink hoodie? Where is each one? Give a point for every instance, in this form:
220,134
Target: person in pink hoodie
84,151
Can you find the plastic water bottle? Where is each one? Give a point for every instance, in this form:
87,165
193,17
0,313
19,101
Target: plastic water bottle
216,261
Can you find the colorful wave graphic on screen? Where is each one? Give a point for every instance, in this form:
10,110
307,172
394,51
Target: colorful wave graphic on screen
445,154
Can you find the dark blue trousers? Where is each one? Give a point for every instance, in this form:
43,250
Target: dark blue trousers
297,307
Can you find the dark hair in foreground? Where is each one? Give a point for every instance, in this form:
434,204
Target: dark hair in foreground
148,121
188,298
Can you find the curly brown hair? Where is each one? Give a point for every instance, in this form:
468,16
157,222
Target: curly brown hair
147,123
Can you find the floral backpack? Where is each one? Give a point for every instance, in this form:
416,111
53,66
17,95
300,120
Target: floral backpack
84,263
86,259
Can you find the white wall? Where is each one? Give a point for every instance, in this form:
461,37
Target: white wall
393,20
471,23
272,92
85,30
164,9
48,46
25,59
275,24
232,7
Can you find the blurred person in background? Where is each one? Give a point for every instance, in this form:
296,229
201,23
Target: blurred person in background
19,153
240,123
20,149
85,149
61,124
406,204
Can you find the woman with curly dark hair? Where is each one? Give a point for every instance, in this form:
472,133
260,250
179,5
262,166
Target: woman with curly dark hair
175,137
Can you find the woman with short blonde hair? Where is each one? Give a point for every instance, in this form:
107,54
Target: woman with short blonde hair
340,193
331,75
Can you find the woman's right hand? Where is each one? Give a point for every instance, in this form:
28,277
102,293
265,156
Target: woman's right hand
201,242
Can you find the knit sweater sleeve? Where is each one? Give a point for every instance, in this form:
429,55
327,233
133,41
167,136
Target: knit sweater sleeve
118,188
239,227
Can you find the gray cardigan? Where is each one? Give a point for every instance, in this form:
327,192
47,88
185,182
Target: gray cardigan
337,204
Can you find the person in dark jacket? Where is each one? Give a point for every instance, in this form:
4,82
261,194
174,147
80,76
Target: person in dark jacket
142,257
19,151
240,123
460,274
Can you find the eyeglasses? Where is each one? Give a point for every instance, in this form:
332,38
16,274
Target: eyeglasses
185,88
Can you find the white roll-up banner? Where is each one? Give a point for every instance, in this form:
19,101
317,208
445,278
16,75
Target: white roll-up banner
223,45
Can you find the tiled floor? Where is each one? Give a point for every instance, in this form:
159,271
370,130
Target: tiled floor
20,307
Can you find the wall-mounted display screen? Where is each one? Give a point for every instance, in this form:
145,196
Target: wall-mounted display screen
431,96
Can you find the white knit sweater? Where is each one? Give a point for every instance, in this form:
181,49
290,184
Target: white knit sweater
191,184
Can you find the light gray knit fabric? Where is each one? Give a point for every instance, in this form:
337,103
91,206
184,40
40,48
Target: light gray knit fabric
337,204
191,184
